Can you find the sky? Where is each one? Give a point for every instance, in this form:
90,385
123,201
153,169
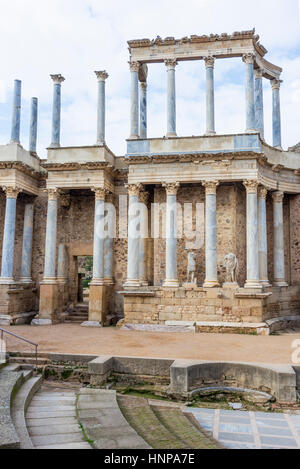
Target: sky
77,37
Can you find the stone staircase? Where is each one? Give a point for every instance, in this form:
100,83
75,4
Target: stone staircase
78,314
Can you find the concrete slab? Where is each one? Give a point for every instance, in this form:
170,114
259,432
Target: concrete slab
55,429
81,445
51,421
47,440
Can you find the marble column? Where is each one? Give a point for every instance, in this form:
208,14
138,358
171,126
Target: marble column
109,243
250,106
171,98
56,112
134,106
144,199
8,245
211,252
33,125
143,109
171,235
16,116
133,236
27,244
51,235
62,263
262,237
279,264
98,259
101,76
210,96
252,235
276,113
259,102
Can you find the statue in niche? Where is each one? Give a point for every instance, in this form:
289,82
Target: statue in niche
231,266
191,268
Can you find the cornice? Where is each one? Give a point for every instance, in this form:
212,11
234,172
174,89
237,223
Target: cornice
24,168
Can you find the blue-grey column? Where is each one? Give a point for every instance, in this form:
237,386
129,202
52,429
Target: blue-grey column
33,125
143,109
109,242
211,251
171,235
262,237
259,102
133,236
210,96
278,235
144,197
8,246
250,107
62,263
252,236
51,234
56,112
171,98
98,259
27,244
101,76
16,116
134,104
276,113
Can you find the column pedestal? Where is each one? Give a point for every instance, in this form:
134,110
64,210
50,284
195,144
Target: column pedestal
48,304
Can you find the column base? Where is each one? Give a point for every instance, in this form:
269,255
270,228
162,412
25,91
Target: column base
134,137
280,283
171,134
265,283
210,133
100,143
25,280
97,282
279,147
54,145
132,284
144,283
109,281
171,283
6,280
253,284
251,131
49,281
41,322
211,284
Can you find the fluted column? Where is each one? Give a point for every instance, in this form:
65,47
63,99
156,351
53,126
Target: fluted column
16,116
8,245
109,244
101,76
262,237
276,113
250,107
259,102
279,264
211,254
210,96
252,235
134,105
27,244
144,198
56,112
33,125
98,260
133,236
143,109
171,279
51,235
171,98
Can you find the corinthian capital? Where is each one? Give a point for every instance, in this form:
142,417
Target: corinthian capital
100,193
276,84
171,64
53,194
102,75
278,197
209,61
57,79
258,73
248,58
134,189
134,66
210,187
251,186
262,192
11,192
171,188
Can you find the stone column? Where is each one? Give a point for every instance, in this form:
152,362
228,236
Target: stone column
51,234
262,237
171,98
101,76
98,260
276,113
16,117
62,263
143,109
27,244
210,96
252,235
8,245
134,106
171,235
57,80
259,102
144,198
250,107
133,236
109,247
33,125
279,264
211,254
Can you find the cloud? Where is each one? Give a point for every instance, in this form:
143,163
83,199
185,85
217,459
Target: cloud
76,38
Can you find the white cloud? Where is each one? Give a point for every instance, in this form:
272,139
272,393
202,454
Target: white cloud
76,37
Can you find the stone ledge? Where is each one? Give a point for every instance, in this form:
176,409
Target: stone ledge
136,293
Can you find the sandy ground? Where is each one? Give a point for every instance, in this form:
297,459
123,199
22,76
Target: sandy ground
71,338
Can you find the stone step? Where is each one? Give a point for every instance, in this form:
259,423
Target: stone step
28,354
28,360
10,382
